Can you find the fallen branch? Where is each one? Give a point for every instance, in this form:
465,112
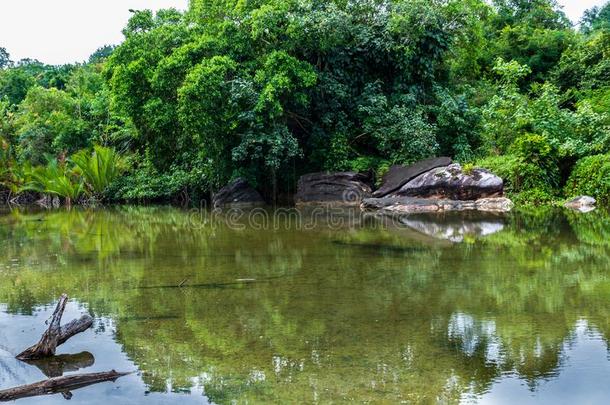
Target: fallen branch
56,385
55,335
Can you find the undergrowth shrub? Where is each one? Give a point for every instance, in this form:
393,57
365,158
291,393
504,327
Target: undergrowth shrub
591,176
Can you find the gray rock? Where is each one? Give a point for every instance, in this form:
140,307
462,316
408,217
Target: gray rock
410,205
343,188
398,175
452,183
583,203
238,192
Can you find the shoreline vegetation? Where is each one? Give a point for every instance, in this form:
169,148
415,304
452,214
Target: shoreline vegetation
272,90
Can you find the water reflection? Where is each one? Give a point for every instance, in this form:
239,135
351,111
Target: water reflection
455,226
59,365
365,313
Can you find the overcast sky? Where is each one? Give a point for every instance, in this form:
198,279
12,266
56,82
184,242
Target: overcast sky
63,31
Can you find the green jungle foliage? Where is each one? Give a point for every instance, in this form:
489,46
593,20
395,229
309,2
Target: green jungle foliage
270,90
55,179
591,176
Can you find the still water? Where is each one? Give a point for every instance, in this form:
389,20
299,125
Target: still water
343,308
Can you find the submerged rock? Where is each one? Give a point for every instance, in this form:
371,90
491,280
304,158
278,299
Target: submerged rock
452,183
398,175
408,205
345,188
238,192
583,203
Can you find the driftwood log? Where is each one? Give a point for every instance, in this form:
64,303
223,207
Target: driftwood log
55,334
63,385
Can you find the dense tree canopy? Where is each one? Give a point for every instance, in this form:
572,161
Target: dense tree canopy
269,90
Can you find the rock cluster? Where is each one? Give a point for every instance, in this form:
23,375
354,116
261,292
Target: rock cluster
430,185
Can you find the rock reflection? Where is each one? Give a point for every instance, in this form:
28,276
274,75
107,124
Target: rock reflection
455,227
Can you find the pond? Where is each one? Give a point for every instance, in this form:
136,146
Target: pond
303,306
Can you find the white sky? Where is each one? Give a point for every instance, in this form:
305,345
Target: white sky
575,8
64,31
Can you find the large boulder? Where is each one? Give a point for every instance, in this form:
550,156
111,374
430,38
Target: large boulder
452,183
344,188
237,193
398,175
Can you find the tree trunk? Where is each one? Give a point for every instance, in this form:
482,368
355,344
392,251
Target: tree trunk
55,335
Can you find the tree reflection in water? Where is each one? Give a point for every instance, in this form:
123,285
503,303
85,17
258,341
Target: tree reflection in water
365,313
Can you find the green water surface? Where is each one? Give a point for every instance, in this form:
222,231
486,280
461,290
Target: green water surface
271,308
